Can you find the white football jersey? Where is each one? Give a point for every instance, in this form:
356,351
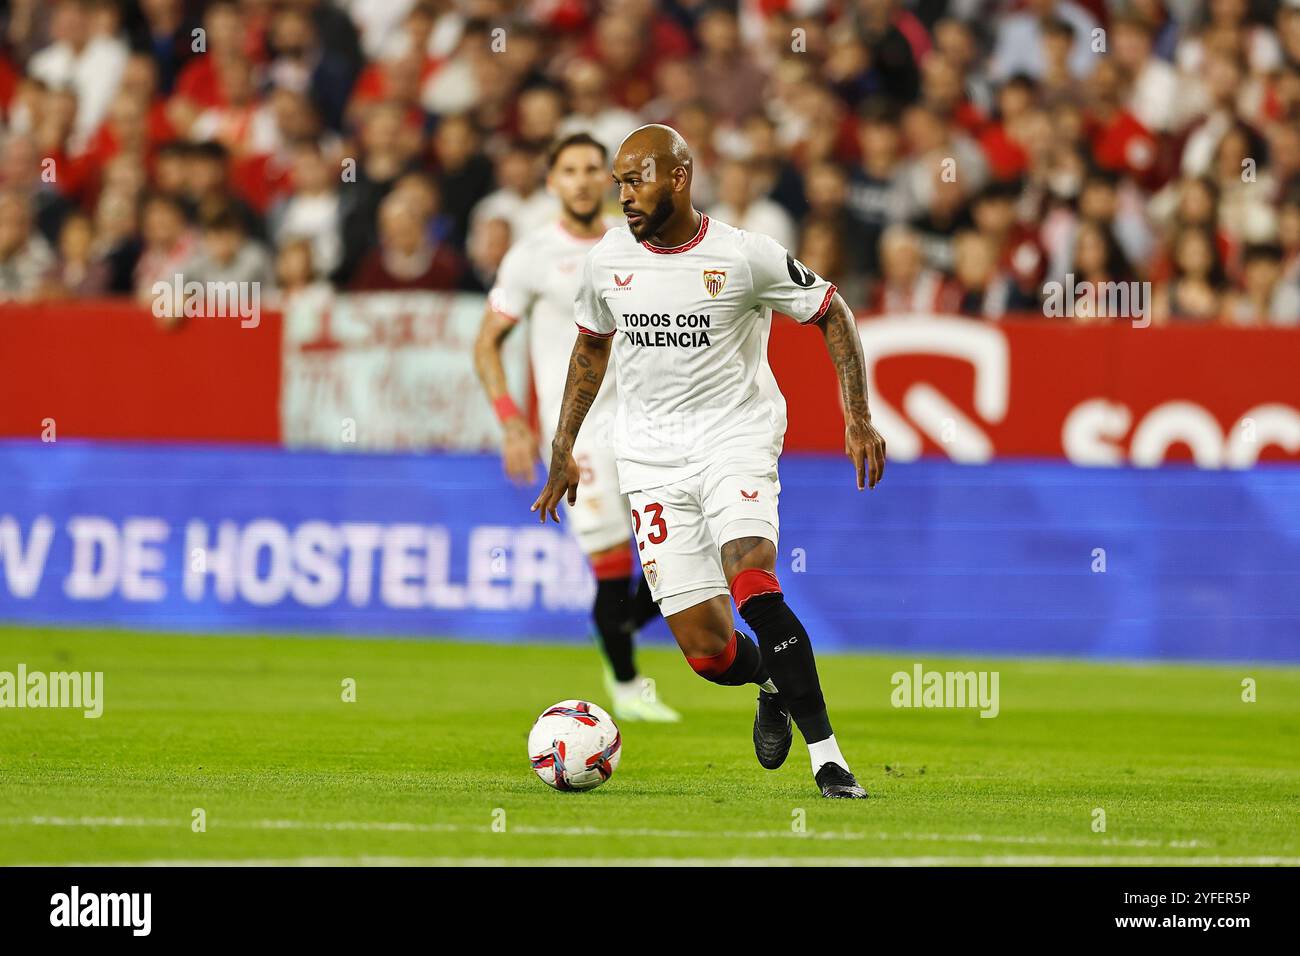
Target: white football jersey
690,327
538,281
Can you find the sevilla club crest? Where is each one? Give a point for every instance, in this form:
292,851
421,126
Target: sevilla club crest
714,280
651,571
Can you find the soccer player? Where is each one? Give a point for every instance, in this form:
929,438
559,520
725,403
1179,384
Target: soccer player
538,280
684,303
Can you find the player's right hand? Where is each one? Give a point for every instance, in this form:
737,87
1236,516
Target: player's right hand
562,482
519,452
866,449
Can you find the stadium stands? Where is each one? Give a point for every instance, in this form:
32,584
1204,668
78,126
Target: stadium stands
930,155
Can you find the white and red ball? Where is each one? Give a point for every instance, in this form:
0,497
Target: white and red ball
574,745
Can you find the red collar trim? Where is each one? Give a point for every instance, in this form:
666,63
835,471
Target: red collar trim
685,246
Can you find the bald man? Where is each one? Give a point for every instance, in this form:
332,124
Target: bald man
536,284
685,303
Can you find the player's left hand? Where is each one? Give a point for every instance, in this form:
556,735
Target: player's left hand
866,449
562,482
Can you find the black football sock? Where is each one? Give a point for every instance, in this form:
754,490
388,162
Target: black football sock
787,652
644,608
740,662
613,595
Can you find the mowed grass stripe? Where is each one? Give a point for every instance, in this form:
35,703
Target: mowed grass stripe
255,733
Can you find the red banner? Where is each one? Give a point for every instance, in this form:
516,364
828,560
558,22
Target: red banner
107,369
966,389
1095,394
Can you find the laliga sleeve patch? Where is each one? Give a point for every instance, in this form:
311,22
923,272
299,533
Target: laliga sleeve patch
803,276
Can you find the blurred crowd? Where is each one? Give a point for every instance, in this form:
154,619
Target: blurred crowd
927,155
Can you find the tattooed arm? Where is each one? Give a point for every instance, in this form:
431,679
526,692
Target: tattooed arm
587,366
862,443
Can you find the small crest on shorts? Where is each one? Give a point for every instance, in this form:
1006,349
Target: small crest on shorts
651,571
714,280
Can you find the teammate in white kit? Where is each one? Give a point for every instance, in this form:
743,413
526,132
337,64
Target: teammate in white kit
685,305
537,282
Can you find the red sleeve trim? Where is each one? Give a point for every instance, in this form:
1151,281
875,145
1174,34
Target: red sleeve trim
599,335
496,310
826,304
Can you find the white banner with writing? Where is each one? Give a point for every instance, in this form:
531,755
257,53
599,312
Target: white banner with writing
389,371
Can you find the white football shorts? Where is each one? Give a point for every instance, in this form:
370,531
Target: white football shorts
680,529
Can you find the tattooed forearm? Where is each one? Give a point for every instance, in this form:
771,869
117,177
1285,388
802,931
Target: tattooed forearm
845,347
587,367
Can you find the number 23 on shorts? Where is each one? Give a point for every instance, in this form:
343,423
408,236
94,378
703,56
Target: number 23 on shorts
656,530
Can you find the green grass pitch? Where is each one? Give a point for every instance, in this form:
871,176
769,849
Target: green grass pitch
428,765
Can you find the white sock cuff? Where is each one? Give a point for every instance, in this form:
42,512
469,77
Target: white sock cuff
824,752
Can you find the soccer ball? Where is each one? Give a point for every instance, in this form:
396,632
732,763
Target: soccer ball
574,745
